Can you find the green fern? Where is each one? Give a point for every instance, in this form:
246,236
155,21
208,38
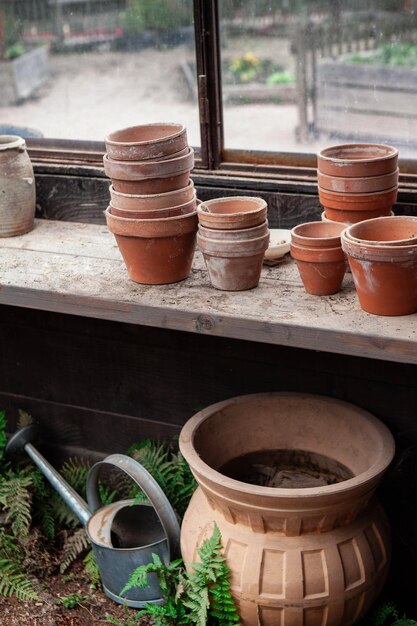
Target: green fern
3,436
91,567
73,547
170,470
388,614
16,498
15,583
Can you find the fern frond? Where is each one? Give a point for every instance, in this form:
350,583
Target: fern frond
16,498
73,547
75,471
3,436
91,567
14,583
385,612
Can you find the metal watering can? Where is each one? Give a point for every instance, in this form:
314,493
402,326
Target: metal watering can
123,536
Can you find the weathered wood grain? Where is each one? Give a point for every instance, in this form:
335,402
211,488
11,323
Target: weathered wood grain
56,268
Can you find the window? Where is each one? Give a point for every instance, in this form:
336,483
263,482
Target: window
264,77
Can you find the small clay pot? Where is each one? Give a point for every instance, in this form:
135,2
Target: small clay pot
399,230
232,213
365,184
385,276
147,141
234,235
358,201
149,202
182,209
158,251
317,234
152,186
358,160
234,265
321,269
353,217
137,170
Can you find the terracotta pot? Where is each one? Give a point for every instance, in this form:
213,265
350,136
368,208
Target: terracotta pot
400,230
358,201
314,555
152,186
234,265
147,141
148,202
183,209
156,251
138,170
234,235
353,217
232,213
321,269
385,276
365,184
358,159
317,234
324,218
17,187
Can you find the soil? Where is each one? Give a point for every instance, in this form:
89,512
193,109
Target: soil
49,610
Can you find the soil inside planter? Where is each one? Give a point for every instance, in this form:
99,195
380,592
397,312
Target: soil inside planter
288,469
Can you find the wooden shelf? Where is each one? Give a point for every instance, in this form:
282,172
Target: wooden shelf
77,269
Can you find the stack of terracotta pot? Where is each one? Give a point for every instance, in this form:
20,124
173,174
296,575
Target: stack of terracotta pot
357,181
317,250
152,211
382,254
233,236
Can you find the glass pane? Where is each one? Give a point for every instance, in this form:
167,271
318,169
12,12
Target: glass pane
302,74
86,67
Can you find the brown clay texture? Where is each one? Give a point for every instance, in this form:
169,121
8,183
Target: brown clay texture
396,230
358,160
366,184
316,556
17,187
317,234
137,170
353,217
151,202
183,209
358,201
152,185
233,235
232,213
147,141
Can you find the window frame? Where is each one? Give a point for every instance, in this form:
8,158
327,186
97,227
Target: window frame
212,158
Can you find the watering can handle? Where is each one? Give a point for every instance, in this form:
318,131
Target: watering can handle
149,486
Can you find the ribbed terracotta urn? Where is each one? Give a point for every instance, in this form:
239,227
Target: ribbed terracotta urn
310,555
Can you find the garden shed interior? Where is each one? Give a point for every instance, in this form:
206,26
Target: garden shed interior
101,362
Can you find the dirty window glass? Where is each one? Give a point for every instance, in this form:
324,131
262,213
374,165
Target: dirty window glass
77,69
299,75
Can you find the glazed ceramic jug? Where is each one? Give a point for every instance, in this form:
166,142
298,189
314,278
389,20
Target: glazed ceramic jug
17,187
307,544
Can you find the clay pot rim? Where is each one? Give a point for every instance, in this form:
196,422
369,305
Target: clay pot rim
324,218
167,208
230,231
409,241
319,241
261,206
110,138
317,255
161,169
146,196
149,221
381,253
357,197
379,466
225,243
326,154
11,142
352,181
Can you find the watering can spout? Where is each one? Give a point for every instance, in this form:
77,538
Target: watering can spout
20,441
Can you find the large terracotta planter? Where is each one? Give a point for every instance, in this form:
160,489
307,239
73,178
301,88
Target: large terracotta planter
150,202
358,159
232,213
147,141
385,276
306,555
399,230
17,187
234,265
156,251
317,250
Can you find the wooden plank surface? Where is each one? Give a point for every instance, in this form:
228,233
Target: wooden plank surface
77,269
